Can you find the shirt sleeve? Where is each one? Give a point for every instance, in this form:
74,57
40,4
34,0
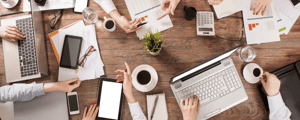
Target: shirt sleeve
136,111
278,110
21,92
106,5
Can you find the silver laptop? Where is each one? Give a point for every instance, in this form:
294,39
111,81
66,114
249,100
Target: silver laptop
216,83
26,59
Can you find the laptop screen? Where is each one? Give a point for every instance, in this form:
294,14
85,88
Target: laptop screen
203,65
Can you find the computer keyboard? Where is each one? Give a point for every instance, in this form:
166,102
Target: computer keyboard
213,87
27,51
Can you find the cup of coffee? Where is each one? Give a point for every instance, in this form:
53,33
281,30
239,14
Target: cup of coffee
144,78
252,72
190,13
109,24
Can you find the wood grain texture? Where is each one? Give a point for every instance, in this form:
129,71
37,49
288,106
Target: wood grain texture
183,49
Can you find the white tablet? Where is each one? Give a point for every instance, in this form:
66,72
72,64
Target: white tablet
110,99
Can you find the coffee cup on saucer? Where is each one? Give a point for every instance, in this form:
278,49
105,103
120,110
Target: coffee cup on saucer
9,3
109,24
252,72
144,78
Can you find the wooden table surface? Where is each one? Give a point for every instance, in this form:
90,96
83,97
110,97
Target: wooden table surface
183,49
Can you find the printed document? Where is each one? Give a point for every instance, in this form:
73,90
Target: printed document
148,11
227,7
260,28
50,5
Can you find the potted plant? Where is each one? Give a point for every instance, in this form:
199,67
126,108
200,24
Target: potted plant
152,42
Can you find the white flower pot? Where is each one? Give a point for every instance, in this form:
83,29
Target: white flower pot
154,53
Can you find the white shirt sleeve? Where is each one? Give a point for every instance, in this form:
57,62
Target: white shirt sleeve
278,110
106,5
136,111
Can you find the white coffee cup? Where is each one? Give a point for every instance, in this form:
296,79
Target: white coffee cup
112,28
252,72
153,80
9,3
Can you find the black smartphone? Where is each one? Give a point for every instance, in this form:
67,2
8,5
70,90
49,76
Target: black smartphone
70,52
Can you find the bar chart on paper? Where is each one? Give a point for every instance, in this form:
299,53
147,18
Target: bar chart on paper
148,11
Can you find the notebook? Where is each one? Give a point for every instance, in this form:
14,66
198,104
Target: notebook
161,112
227,7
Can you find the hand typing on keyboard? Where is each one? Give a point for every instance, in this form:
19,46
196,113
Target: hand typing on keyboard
271,83
12,33
190,108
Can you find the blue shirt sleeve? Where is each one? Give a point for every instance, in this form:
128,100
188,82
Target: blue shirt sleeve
21,92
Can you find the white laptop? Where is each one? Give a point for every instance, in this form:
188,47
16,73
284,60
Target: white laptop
216,83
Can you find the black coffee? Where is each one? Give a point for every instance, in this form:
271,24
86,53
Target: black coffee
256,72
144,77
109,24
191,12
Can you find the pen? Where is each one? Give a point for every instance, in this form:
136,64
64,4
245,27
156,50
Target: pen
141,24
11,13
155,103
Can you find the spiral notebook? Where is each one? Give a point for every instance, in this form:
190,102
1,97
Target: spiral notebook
161,112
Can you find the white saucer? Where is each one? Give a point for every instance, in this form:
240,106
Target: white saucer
154,78
248,73
10,3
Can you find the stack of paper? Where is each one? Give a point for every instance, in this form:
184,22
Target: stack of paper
260,28
93,67
50,5
288,14
148,11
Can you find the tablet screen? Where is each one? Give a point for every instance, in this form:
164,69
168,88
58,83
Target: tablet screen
110,100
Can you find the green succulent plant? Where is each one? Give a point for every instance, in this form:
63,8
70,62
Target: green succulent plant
152,42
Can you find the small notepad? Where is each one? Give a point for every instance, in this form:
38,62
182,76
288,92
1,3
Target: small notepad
161,112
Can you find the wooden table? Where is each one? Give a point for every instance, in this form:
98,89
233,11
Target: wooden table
183,49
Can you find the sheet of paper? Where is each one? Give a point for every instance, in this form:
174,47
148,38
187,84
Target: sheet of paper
288,14
260,29
227,7
50,5
148,11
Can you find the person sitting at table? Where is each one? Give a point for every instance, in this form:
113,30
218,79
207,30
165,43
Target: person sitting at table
169,6
109,7
278,110
191,106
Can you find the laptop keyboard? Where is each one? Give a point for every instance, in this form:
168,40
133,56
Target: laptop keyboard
26,47
212,88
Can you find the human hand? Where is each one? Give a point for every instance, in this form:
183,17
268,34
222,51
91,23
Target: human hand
127,83
190,108
215,2
129,26
260,6
64,86
168,6
91,114
12,33
271,83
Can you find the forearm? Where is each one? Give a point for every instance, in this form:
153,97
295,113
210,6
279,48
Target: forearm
49,87
116,16
130,98
21,92
278,110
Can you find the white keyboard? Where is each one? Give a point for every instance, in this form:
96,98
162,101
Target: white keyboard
212,87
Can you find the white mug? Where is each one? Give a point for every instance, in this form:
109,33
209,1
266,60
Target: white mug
153,80
106,20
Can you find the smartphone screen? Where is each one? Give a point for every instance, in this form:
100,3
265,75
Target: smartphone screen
71,51
73,104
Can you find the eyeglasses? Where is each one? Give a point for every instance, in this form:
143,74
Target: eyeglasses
88,52
55,19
